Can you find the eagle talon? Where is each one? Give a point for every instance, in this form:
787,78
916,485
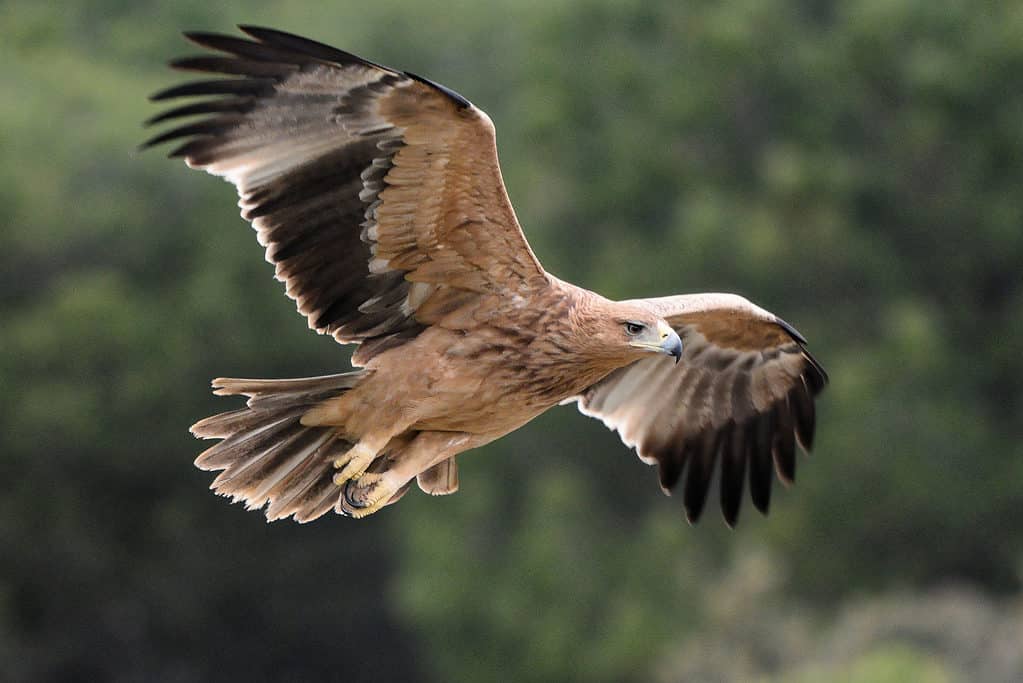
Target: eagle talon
360,499
349,501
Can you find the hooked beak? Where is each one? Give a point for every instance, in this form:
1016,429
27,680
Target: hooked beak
671,344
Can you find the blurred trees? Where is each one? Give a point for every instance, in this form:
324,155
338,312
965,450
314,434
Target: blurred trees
854,167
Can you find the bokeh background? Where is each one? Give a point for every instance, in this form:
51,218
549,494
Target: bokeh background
856,167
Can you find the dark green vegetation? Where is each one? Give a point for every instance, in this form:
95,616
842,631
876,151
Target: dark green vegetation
855,167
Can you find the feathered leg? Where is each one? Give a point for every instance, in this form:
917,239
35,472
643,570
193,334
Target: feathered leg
441,479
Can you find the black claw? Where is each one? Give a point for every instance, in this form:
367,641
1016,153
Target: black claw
345,491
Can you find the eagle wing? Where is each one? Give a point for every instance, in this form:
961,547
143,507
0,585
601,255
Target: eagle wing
376,193
743,395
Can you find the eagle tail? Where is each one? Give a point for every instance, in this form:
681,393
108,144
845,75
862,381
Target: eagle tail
267,455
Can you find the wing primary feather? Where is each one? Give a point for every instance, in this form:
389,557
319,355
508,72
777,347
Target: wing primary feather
242,47
305,46
222,86
803,412
784,444
760,461
233,65
206,127
238,105
669,466
816,376
699,473
223,43
733,473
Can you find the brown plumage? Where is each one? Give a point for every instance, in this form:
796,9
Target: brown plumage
378,197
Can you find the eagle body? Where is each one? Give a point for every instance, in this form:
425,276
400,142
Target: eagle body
502,362
378,197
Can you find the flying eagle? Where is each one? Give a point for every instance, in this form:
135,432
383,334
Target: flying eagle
379,199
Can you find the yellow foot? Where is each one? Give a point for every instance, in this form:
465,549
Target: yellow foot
368,494
354,463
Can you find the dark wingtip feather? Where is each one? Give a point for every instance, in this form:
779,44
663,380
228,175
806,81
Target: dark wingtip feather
311,48
201,63
761,470
223,86
233,65
237,105
206,38
760,492
733,474
237,47
669,467
817,378
803,413
695,496
784,450
699,471
209,127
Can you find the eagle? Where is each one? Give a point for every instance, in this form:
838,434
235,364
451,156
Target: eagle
378,197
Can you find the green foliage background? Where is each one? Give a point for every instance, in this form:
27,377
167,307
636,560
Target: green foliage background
855,167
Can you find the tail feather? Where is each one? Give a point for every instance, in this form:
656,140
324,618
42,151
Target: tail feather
244,474
224,425
278,468
320,500
292,493
230,386
243,444
267,455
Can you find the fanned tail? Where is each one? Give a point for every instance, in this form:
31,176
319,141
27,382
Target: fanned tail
267,455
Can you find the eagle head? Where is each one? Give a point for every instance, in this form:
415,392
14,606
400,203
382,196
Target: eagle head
652,335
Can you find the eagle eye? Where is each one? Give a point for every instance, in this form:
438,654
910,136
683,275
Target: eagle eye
632,329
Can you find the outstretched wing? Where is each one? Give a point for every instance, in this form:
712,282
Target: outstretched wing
377,193
742,396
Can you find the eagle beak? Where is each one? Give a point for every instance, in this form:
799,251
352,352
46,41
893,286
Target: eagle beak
671,344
